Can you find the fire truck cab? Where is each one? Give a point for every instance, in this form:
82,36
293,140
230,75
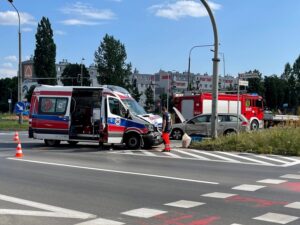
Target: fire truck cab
106,114
250,105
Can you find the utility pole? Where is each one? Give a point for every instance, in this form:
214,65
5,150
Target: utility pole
82,71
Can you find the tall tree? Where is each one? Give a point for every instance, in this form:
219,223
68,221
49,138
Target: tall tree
45,53
149,103
256,84
287,71
110,60
134,90
71,75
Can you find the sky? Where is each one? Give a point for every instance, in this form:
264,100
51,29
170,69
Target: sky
158,34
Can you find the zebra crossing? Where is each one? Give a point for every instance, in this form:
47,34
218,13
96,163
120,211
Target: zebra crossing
216,156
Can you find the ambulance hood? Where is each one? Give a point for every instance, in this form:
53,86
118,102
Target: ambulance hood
156,120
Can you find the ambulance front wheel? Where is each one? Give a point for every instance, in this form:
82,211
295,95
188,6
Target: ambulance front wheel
133,141
51,143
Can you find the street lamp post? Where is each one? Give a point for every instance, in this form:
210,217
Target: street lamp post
20,97
214,121
223,58
81,71
189,66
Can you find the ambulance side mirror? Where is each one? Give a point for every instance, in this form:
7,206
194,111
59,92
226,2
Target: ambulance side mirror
127,114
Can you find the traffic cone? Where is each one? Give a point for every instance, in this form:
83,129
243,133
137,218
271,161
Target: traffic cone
16,137
19,153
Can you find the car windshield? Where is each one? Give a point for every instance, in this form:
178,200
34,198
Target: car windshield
134,107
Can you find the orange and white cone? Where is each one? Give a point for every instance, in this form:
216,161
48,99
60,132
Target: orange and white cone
19,153
16,137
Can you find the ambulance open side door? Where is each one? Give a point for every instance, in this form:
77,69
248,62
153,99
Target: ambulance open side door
116,120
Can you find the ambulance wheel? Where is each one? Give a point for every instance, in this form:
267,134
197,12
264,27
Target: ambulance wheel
51,143
133,141
176,134
73,143
254,125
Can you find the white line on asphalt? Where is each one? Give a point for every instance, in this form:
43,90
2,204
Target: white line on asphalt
172,155
291,176
144,212
246,158
271,181
214,155
53,211
191,154
248,187
276,218
291,164
184,204
218,195
115,171
147,153
294,205
288,158
271,159
100,221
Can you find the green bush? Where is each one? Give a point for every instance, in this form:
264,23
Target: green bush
279,140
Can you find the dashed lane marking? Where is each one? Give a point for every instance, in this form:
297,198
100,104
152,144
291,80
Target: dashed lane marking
271,181
294,205
248,187
100,221
184,204
144,212
218,195
276,218
291,176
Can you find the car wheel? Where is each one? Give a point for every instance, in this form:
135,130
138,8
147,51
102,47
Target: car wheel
51,143
177,134
73,143
133,141
254,125
229,132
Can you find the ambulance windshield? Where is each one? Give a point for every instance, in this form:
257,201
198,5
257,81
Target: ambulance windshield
134,107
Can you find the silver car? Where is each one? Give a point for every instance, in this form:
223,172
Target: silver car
201,125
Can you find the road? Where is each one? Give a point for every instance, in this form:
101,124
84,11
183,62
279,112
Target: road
82,185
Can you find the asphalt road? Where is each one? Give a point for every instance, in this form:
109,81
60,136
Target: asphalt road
82,185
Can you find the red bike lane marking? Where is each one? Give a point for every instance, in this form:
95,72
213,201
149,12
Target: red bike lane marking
291,186
259,202
184,219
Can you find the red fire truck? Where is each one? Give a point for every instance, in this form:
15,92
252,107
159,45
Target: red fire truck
250,105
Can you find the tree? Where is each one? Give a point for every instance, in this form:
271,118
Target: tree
110,60
71,75
29,93
8,90
287,71
149,103
275,89
256,84
45,53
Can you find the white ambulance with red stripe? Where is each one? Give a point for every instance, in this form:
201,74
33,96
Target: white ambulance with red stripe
106,114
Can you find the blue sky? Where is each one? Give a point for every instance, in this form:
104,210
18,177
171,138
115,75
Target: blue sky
158,34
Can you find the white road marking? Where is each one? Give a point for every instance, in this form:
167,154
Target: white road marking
172,155
288,158
147,153
184,204
114,171
276,218
248,187
215,155
218,195
271,181
236,224
246,158
294,205
100,221
51,211
191,154
291,176
144,212
271,159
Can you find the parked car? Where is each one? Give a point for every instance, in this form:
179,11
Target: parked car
201,125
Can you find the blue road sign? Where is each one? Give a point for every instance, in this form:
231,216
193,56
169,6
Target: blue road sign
19,107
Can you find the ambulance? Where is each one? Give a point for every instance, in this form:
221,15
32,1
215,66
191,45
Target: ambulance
106,115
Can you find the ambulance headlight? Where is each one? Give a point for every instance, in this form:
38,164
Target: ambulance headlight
150,127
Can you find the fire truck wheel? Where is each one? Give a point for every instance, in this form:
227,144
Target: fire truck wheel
73,143
254,125
133,141
51,143
177,134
